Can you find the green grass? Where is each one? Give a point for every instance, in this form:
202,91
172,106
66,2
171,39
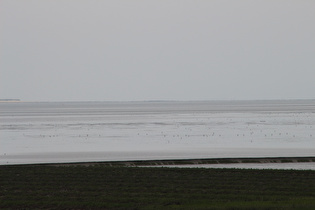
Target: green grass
101,187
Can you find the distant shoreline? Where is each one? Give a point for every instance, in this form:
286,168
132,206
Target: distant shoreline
193,161
161,101
10,100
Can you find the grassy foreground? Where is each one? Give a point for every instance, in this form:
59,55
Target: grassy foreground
102,187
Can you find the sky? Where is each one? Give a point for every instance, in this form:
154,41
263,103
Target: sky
121,50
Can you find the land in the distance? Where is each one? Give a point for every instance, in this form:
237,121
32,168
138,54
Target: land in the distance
10,100
200,161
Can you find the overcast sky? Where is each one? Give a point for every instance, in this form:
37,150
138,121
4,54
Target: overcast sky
83,50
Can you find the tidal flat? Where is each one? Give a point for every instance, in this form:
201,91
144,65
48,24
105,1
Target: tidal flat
59,132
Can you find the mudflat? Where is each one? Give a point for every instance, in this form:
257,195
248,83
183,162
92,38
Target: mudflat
116,131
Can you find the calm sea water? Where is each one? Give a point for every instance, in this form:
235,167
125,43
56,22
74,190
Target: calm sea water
97,131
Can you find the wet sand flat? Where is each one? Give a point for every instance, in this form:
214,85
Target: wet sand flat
109,131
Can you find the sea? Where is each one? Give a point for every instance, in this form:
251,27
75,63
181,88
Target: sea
62,132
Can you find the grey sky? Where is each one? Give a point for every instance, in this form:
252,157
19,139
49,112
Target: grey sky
59,50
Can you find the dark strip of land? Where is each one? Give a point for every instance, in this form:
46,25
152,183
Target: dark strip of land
9,100
189,161
100,186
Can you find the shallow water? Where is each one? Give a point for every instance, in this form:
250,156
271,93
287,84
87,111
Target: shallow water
286,166
100,131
